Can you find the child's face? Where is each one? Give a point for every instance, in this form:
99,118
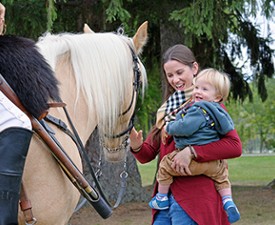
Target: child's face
204,91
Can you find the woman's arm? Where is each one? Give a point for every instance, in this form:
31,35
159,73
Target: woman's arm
227,147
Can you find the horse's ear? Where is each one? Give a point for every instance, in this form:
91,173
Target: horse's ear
141,36
87,29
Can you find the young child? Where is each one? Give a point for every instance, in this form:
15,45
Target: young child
199,122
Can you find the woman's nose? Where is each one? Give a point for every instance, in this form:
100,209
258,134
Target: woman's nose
176,79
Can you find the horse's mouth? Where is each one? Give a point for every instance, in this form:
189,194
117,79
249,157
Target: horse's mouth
115,155
118,153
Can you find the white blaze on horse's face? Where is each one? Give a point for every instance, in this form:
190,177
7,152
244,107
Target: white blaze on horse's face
115,142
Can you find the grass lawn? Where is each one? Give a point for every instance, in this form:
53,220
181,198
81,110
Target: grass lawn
252,170
245,171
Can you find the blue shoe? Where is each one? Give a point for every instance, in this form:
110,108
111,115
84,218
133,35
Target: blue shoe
232,211
159,204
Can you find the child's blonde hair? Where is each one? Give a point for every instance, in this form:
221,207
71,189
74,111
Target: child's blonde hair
219,80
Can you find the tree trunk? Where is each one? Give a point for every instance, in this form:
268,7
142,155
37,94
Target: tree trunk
109,174
170,35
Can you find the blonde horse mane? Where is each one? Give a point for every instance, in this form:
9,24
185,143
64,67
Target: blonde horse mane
103,69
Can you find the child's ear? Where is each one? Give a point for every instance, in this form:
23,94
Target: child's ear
218,98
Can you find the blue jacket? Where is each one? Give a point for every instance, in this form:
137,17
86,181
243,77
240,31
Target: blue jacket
201,123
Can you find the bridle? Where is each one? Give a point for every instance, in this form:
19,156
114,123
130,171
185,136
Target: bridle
125,142
136,87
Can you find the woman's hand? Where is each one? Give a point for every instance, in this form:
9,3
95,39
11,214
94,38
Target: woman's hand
136,139
182,161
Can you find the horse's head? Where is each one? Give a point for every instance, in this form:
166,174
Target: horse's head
100,76
115,132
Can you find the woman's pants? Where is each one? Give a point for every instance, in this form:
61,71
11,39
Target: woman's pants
175,215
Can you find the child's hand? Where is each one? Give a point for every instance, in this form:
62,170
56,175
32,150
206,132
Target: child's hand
164,134
164,128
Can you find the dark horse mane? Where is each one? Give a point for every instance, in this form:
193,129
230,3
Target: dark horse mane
27,72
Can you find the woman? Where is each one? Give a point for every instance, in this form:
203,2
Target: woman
193,199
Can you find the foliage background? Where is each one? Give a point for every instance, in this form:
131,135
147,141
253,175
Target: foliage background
255,120
220,32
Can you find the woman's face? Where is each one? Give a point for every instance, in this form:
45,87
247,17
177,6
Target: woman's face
179,75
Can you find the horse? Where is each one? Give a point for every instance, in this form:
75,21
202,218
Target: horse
98,76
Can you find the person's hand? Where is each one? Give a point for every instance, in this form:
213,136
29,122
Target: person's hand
2,17
182,161
136,139
164,134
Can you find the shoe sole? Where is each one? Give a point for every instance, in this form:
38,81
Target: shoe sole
155,206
